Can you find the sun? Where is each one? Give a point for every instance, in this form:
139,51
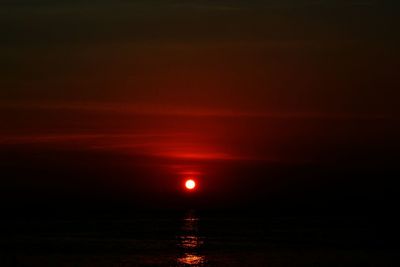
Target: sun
190,184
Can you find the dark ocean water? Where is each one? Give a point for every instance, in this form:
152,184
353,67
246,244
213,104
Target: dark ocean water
195,239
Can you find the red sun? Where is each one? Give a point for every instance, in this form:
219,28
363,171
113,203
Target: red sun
190,184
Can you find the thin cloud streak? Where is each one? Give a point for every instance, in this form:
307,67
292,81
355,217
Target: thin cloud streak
161,110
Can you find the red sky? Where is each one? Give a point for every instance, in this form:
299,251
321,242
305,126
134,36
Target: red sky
225,90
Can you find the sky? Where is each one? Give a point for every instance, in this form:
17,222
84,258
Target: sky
264,102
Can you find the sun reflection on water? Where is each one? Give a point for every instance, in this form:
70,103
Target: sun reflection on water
190,243
191,260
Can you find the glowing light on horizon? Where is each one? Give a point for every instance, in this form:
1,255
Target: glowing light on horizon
190,184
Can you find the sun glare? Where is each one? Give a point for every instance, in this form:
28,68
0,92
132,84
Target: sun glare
190,184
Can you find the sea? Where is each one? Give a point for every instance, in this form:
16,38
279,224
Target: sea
193,238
